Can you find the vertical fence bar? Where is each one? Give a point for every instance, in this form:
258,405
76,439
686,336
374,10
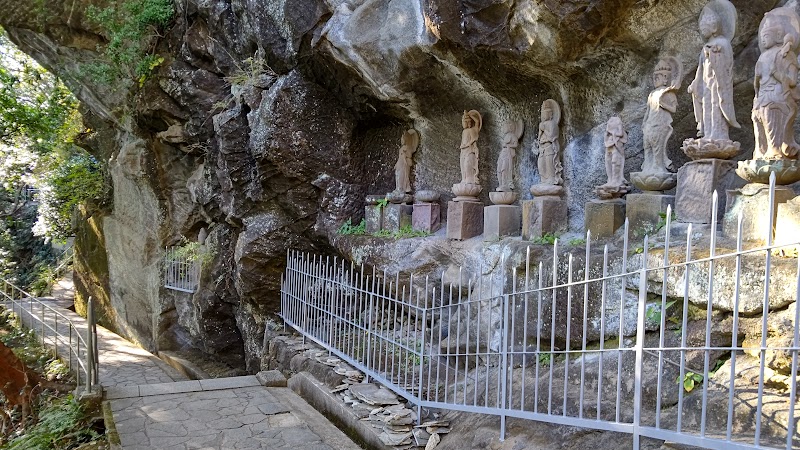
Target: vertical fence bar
663,322
684,322
709,309
790,429
735,325
640,330
585,321
622,318
765,309
89,345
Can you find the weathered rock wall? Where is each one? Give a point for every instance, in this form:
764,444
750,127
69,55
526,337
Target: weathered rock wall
271,159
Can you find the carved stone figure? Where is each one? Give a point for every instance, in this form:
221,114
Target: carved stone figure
712,88
469,187
549,151
615,140
662,102
512,131
472,122
402,169
775,102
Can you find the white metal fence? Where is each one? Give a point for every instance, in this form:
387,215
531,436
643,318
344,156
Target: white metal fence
75,344
181,269
606,344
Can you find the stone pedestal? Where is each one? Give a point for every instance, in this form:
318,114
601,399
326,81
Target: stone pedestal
397,216
697,181
787,227
426,217
753,201
373,216
464,220
645,210
604,217
543,215
500,221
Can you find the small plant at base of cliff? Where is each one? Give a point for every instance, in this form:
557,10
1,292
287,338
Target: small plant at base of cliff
381,203
130,28
577,241
348,229
194,252
546,239
403,233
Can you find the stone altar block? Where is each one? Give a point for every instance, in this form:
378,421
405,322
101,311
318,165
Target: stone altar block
787,227
426,217
547,214
464,220
604,217
753,201
500,221
697,181
643,210
396,216
373,217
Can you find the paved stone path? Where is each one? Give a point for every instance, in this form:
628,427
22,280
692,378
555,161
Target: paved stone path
156,408
225,413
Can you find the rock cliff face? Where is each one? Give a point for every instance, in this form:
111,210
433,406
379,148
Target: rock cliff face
268,122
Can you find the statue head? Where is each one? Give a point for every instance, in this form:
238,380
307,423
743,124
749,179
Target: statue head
779,26
668,72
466,120
662,75
709,23
551,111
718,19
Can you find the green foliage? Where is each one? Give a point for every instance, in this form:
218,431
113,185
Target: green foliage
546,239
690,381
381,203
577,241
194,251
654,314
348,229
403,233
545,358
63,423
79,179
249,72
130,27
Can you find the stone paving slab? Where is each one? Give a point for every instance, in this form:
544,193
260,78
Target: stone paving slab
252,417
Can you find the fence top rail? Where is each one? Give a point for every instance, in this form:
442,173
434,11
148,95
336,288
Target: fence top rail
308,258
31,297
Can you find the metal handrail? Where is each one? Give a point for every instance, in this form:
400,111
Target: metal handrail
86,359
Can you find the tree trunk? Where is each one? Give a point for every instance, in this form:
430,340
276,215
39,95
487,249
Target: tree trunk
16,380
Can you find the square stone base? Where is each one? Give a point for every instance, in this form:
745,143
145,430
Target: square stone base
603,218
426,217
646,210
397,216
787,227
373,216
697,181
464,220
500,221
543,215
753,201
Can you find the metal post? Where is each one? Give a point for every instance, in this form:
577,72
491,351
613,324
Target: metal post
89,345
637,395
